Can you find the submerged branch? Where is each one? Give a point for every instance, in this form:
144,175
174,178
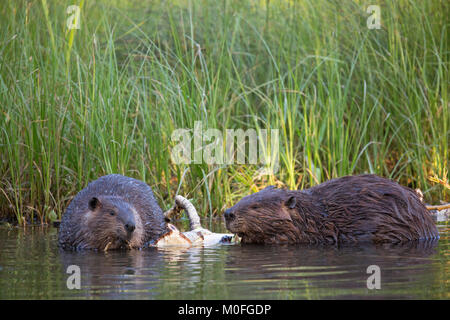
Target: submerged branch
439,207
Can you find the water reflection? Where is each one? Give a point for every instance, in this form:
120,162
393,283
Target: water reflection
31,266
328,272
108,274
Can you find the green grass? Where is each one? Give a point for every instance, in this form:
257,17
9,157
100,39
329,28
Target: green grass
78,104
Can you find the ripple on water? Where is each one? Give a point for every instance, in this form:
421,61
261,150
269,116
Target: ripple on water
32,266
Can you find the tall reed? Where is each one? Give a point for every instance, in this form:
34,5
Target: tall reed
77,104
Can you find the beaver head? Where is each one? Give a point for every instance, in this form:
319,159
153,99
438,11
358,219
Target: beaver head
264,217
111,223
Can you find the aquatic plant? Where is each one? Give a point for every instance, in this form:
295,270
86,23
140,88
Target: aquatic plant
79,103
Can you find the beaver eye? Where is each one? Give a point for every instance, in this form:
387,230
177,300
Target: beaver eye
112,213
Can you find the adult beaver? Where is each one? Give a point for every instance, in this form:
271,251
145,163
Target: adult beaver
112,212
364,208
118,212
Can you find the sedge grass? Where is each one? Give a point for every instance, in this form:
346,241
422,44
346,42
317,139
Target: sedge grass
106,98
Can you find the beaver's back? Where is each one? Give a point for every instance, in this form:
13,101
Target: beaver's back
369,207
136,193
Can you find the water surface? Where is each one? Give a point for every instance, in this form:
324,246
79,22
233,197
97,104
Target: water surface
33,267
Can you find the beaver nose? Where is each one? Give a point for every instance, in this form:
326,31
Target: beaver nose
130,226
228,214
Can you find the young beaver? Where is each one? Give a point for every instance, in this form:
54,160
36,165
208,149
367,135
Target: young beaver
360,208
112,212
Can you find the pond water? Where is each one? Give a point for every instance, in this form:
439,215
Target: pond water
33,267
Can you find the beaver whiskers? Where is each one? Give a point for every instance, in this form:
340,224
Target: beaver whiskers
349,209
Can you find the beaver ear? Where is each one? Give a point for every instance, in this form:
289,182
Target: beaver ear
291,202
269,188
94,203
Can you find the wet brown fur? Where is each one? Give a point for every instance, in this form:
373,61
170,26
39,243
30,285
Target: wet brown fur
364,208
101,226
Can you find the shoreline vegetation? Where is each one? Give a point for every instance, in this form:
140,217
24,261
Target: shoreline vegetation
78,104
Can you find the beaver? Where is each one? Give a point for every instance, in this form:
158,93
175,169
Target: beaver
119,212
112,212
362,208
